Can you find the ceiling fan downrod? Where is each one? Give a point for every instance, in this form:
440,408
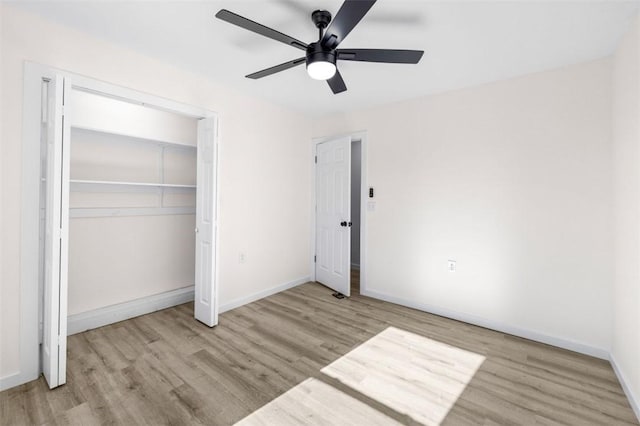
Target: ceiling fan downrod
321,19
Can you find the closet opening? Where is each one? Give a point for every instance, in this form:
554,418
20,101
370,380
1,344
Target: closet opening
127,195
132,205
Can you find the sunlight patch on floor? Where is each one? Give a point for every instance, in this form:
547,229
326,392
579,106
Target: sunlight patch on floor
314,402
411,374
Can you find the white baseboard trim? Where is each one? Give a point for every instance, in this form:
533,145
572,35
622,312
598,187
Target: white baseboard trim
110,314
634,401
15,379
123,311
493,325
236,303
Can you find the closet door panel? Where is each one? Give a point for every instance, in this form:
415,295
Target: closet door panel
50,349
56,242
205,305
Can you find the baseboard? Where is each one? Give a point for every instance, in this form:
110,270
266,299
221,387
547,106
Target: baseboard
123,311
10,381
634,401
493,325
15,379
355,266
236,303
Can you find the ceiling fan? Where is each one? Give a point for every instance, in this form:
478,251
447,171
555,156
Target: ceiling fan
321,56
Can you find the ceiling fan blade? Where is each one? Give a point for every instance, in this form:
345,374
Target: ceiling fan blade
277,68
392,56
250,25
337,83
350,13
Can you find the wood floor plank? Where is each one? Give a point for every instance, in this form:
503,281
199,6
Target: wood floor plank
167,368
80,415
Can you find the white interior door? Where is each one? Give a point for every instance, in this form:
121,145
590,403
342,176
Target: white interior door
206,306
333,214
54,342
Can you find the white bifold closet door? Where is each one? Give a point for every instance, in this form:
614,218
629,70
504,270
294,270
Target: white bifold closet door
54,339
205,308
333,214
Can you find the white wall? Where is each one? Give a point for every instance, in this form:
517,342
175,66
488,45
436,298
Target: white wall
356,153
96,112
264,170
116,260
512,180
626,189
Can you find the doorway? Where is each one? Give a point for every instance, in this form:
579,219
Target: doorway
338,228
356,195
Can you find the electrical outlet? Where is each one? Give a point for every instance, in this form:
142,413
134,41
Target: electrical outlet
242,258
451,265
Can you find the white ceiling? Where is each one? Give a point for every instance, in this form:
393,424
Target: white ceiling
465,43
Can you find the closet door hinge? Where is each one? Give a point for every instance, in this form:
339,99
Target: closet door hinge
314,258
316,159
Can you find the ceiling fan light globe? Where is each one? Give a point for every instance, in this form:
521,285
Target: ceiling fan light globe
321,70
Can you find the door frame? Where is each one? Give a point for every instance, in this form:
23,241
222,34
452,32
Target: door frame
364,185
30,286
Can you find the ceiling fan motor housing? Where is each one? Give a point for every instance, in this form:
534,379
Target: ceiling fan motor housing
317,53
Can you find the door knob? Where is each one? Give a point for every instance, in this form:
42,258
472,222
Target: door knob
343,223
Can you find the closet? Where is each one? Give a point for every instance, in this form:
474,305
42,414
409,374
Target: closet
131,203
130,210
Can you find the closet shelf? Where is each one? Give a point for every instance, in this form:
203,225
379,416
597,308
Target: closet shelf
136,138
85,212
139,184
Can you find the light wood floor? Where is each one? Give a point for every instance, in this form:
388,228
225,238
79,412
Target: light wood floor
166,368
